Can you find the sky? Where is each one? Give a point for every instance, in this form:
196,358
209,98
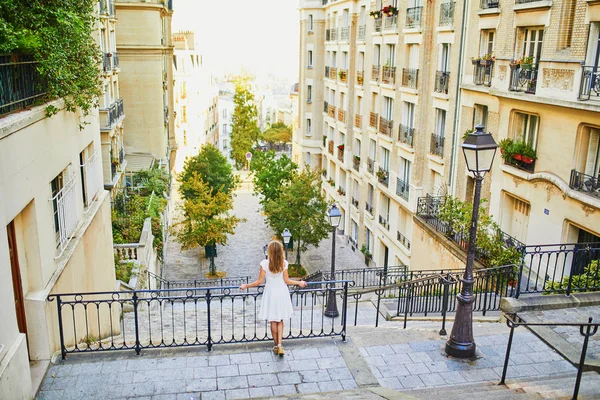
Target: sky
260,36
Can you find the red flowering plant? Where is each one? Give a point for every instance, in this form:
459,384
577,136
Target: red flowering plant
389,10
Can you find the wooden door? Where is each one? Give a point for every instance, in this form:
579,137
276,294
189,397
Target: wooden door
16,279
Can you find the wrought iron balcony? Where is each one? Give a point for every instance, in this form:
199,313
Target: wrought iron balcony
377,22
375,73
331,111
391,23
341,114
112,10
523,78
585,183
361,32
103,7
325,107
383,177
521,163
410,77
525,1
340,153
370,164
441,81
403,240
402,189
20,83
482,72
333,33
344,33
330,147
487,4
369,208
413,17
386,126
406,135
326,71
121,155
356,163
373,119
113,113
446,14
324,174
333,73
437,145
389,75
360,78
358,121
106,62
120,108
354,202
384,222
343,74
590,83
115,59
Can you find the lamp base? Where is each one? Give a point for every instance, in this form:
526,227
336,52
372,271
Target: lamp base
331,313
460,350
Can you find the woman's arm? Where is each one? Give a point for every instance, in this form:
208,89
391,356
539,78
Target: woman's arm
288,281
258,282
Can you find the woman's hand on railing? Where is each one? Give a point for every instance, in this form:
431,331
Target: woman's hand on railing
302,284
244,286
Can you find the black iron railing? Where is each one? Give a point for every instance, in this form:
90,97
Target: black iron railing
120,108
143,319
367,277
413,17
325,107
437,145
523,78
383,221
369,208
386,126
403,239
389,75
106,62
377,23
590,82
585,183
486,4
112,9
482,72
115,59
410,77
20,83
121,155
441,81
586,330
446,14
103,7
354,202
406,134
402,189
383,176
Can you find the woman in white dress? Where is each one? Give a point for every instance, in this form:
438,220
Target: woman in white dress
276,303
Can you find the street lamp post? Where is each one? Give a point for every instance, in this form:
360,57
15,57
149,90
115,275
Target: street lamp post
265,248
286,235
335,216
479,149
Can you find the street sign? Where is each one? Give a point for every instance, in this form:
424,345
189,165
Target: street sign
248,155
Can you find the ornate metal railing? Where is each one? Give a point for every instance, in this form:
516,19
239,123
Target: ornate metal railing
402,189
344,33
370,165
523,79
327,71
377,22
410,77
112,9
356,163
103,8
446,14
341,114
375,73
361,32
340,154
585,183
590,82
482,72
486,4
20,83
369,208
120,108
383,176
373,119
66,218
383,221
354,202
406,134
386,126
330,148
331,111
343,74
143,319
403,240
360,78
121,155
115,59
391,22
333,73
358,120
325,107
441,81
106,62
389,75
367,277
437,145
413,17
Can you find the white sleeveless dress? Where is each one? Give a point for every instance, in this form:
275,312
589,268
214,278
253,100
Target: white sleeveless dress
276,303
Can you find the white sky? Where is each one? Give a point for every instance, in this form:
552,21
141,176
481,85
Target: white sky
261,36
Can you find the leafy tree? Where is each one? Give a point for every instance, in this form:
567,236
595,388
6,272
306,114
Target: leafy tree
213,168
278,133
272,176
207,221
301,208
245,131
155,179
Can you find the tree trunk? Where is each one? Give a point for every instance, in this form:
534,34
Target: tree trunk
298,244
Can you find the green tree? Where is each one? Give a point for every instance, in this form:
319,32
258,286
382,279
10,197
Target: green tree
207,221
244,123
278,133
155,179
272,176
302,209
213,168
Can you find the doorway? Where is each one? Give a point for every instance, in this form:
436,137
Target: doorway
16,279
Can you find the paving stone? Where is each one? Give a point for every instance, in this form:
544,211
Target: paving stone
389,371
262,380
61,370
484,341
227,370
249,369
563,366
437,355
171,396
171,363
412,381
303,354
205,372
379,350
395,359
430,345
114,366
420,357
201,385
391,383
432,379
546,368
232,382
437,366
288,378
401,348
330,386
141,364
363,351
376,361
261,392
337,374
329,351
477,375
51,395
314,376
348,384
312,387
489,351
242,358
498,339
416,369
189,396
218,360
325,363
197,361
119,378
457,365
64,382
164,387
139,389
282,390
216,395
261,356
452,377
110,392
544,356
88,369
237,394
303,365
518,359
272,367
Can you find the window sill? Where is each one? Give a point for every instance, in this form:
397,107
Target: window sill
536,5
489,11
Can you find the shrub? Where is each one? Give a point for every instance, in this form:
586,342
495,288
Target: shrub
589,279
296,271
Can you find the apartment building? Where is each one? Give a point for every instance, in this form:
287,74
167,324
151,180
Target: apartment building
225,108
112,111
541,90
144,44
377,105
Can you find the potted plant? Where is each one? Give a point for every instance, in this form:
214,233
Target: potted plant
475,60
389,10
526,62
523,152
357,158
506,149
375,14
342,74
341,147
331,182
487,59
381,175
368,255
464,136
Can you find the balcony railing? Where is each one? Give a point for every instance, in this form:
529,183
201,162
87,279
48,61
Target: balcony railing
358,121
113,112
482,73
369,208
355,202
103,7
341,114
410,77
525,1
333,73
447,14
377,22
356,163
370,164
92,172
375,73
64,203
402,189
115,59
343,75
413,17
383,177
373,119
403,240
384,222
523,79
389,75
486,4
344,33
391,23
325,107
20,83
331,111
340,154
441,81
361,32
406,135
112,10
120,108
330,147
333,33
386,126
360,78
326,71
121,155
106,62
590,83
437,145
585,183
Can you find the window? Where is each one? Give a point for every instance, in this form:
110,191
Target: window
376,55
532,43
444,57
310,22
404,170
370,194
310,59
359,105
588,152
345,60
309,94
224,129
385,159
90,174
408,114
308,127
372,147
354,230
440,122
525,128
566,24
334,59
369,243
64,207
486,42
390,55
388,107
361,61
224,113
385,207
413,56
480,114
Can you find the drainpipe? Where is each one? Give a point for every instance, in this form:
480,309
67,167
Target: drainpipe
458,104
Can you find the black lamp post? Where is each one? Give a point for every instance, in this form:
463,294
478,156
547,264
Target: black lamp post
286,235
265,248
479,149
335,216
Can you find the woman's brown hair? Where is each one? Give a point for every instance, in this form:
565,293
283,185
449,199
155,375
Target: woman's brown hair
275,254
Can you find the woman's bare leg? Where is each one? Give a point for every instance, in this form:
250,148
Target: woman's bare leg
280,331
274,332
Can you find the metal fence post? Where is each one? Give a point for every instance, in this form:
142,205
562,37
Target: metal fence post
209,338
63,350
520,276
586,337
444,308
508,347
136,322
573,262
344,311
